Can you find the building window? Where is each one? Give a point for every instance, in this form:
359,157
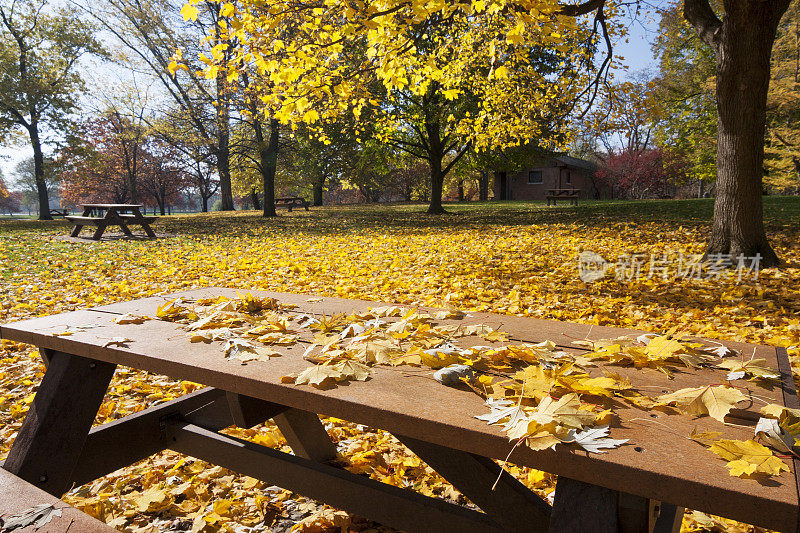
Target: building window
534,177
569,178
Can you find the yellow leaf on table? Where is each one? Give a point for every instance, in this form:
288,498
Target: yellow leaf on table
713,400
747,458
130,318
566,411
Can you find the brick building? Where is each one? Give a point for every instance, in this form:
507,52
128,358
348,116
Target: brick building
558,172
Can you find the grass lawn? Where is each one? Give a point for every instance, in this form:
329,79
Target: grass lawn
510,257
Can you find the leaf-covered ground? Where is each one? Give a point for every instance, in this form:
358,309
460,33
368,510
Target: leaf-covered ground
511,258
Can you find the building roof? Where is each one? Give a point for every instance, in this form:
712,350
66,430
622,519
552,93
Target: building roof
576,162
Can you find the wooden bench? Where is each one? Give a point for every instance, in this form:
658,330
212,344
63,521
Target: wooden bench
18,496
59,212
553,195
641,486
291,202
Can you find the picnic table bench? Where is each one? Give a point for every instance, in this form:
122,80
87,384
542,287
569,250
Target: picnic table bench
59,212
638,487
18,496
553,195
291,202
122,215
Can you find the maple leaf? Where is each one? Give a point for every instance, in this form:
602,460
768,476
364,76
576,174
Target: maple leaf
566,411
37,516
755,368
173,311
748,458
715,401
351,370
378,351
448,315
278,338
706,438
130,318
319,376
770,432
117,341
594,439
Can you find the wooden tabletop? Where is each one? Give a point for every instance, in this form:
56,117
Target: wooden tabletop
660,461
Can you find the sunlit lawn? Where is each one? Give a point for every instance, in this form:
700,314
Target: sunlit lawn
510,257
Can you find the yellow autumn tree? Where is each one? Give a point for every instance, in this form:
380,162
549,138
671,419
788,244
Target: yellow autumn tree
478,74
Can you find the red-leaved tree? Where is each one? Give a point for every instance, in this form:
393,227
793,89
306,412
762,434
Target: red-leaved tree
643,174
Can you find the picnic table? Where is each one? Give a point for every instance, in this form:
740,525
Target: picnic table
641,486
553,195
292,201
122,215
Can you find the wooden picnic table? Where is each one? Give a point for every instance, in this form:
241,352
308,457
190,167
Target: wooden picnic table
641,486
122,215
553,195
291,202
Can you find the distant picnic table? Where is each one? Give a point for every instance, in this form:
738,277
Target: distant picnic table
292,201
553,195
122,215
639,487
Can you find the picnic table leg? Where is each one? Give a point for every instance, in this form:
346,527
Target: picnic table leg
504,499
139,218
580,506
101,228
306,435
76,230
55,428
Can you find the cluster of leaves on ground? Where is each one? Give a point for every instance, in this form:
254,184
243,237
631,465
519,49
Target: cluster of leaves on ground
518,260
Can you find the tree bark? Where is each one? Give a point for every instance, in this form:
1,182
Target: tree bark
318,191
268,155
435,156
743,72
223,143
483,186
38,168
205,203
254,199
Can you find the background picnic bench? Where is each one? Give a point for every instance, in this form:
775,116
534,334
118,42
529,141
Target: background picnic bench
291,202
122,215
571,195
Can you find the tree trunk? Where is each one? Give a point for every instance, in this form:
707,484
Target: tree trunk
483,186
254,199
268,155
205,203
437,181
461,190
38,168
436,154
743,74
318,191
223,143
